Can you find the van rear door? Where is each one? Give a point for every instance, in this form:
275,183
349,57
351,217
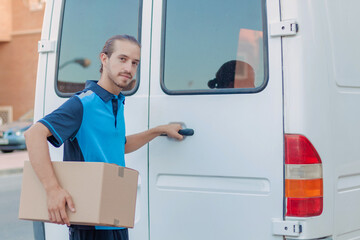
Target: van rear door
215,70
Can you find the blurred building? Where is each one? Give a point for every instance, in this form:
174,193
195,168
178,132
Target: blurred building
21,23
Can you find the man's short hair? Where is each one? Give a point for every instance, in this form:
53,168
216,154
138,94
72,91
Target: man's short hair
108,48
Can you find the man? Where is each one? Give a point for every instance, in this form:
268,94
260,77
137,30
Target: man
91,126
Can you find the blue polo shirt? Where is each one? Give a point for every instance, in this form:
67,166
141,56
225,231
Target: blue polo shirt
91,125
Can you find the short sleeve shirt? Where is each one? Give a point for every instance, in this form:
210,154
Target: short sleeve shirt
91,125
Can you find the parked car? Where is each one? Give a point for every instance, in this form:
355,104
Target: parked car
12,134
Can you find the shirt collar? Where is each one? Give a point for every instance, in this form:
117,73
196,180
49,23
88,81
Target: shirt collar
101,92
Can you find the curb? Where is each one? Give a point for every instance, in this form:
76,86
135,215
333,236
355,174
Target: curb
4,172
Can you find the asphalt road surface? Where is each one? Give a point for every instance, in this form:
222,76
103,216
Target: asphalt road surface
11,228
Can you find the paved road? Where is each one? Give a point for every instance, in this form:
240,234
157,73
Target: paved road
11,228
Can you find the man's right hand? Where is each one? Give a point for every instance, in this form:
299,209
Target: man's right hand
57,199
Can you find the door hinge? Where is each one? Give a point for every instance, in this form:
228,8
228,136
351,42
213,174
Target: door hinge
284,28
286,228
45,46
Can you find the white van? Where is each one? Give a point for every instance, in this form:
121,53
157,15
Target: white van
271,90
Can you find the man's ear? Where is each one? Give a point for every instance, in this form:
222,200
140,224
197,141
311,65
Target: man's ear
103,58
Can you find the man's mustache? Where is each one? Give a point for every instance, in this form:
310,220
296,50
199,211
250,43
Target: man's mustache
126,74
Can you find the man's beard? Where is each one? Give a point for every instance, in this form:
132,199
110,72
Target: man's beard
121,84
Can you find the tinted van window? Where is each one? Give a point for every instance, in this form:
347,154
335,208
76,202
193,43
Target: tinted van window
83,34
212,46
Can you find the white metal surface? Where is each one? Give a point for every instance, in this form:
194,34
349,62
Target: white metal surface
50,100
306,98
321,77
136,119
217,183
42,65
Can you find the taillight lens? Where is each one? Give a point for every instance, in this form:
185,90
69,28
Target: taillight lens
303,177
304,207
299,150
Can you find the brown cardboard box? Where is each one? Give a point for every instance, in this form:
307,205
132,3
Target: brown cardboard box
104,194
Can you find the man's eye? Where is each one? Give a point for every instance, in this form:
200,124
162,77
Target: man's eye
122,59
135,63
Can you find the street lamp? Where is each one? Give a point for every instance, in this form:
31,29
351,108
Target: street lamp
84,62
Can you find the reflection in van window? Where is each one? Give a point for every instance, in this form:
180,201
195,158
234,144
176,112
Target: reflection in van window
210,44
84,32
234,74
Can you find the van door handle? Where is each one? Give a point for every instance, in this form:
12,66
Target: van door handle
184,132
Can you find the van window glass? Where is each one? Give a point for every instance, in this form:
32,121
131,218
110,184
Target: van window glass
84,33
212,46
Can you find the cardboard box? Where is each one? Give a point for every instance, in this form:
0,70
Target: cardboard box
103,194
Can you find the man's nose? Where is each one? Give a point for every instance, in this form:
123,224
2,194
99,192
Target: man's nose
128,66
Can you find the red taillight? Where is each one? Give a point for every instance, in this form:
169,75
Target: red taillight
304,207
299,150
303,177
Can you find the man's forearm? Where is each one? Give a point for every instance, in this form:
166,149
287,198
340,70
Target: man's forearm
136,141
39,155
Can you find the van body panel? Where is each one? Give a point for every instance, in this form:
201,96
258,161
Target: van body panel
42,65
345,115
320,96
50,100
137,120
306,99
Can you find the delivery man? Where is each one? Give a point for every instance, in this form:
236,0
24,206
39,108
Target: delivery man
91,126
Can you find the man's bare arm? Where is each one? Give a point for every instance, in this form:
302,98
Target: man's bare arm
136,141
57,197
